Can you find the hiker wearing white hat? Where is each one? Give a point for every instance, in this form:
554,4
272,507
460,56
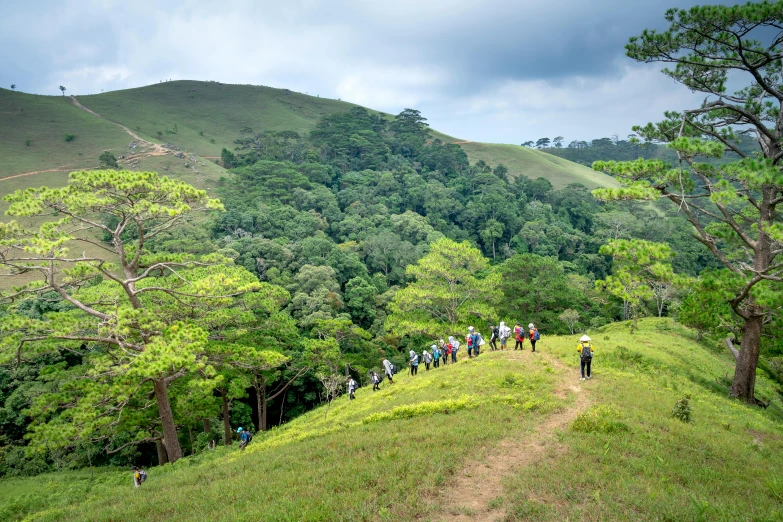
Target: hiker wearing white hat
585,349
533,335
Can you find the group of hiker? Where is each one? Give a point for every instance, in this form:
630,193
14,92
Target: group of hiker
442,352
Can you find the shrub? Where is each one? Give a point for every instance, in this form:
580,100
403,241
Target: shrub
599,419
27,142
107,159
70,137
682,410
423,408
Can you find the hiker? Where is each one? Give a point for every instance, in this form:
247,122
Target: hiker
414,362
435,356
428,357
585,349
244,437
352,388
139,476
533,335
446,350
494,334
388,367
504,332
454,345
519,336
376,381
475,341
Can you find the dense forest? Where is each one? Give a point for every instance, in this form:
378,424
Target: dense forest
326,231
628,149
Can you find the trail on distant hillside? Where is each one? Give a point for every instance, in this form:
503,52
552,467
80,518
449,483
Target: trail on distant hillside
157,150
64,168
480,482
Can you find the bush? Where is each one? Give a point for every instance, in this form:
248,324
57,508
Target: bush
682,410
107,159
70,137
27,142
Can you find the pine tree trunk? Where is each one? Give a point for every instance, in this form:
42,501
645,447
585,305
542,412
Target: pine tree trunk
260,387
163,457
744,384
170,440
226,419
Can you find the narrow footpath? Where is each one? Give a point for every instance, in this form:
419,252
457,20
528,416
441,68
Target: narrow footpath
481,482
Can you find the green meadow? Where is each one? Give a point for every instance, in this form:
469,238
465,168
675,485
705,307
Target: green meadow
400,453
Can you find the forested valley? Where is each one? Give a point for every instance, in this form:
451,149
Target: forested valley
331,225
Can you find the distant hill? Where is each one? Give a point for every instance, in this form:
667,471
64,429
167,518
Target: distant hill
198,117
606,149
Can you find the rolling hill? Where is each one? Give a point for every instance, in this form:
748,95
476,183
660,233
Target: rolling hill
198,117
556,448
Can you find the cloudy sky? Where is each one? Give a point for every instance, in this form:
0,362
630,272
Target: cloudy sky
495,70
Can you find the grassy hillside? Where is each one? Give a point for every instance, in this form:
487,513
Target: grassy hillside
200,117
533,164
44,121
204,112
509,436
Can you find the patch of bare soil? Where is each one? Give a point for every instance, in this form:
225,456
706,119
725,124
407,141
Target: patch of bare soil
480,482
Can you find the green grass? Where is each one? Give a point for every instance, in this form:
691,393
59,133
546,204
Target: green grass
389,455
45,120
640,463
535,164
219,111
368,459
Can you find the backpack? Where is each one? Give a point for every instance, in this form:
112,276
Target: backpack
455,346
394,369
142,476
481,341
506,333
249,437
536,336
587,351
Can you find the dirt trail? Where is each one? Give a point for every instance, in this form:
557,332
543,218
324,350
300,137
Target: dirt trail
23,174
481,482
157,150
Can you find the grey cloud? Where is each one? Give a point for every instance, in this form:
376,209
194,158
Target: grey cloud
472,67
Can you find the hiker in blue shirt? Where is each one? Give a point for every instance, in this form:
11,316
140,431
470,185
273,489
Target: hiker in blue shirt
435,356
244,437
475,341
414,362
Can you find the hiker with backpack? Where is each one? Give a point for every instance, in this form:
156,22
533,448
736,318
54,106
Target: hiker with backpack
476,340
585,349
352,386
414,363
376,380
519,337
388,368
493,337
445,350
427,357
454,344
534,335
435,356
504,332
244,437
139,476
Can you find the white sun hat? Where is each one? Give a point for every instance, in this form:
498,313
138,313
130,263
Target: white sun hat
584,339
531,325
